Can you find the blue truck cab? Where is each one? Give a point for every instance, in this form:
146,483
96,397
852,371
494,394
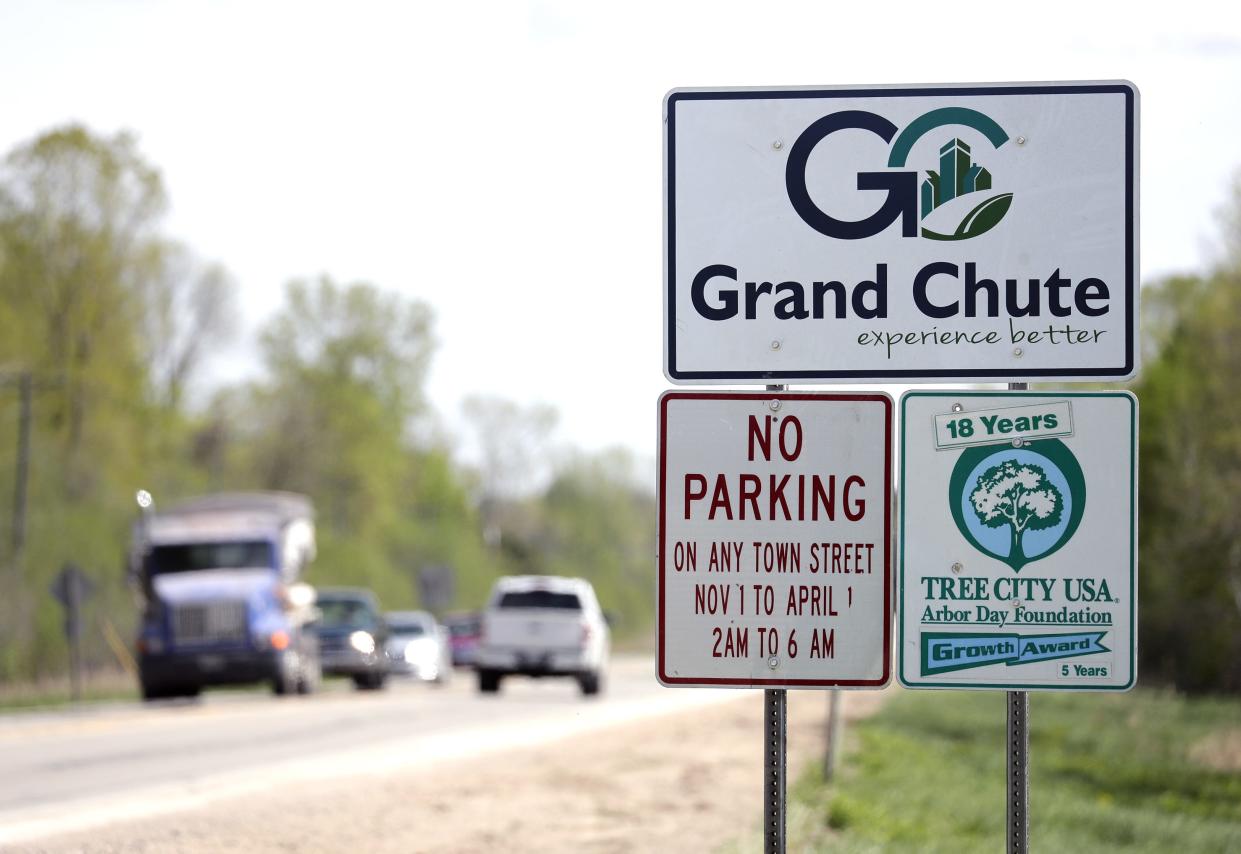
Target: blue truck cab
223,603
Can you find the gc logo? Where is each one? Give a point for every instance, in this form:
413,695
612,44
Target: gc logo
957,177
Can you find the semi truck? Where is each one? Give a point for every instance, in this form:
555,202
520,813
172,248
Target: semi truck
219,584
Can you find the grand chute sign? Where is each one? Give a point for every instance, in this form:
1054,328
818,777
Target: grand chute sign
774,526
908,234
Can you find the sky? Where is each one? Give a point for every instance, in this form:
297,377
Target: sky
503,161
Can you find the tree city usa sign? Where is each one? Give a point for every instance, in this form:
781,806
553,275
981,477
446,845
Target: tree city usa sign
774,531
949,232
1018,530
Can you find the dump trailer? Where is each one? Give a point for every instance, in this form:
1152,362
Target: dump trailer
219,580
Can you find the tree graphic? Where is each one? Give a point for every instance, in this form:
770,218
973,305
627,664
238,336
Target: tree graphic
1018,495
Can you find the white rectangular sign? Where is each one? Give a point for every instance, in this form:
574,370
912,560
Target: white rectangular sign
973,232
1018,562
774,531
1040,421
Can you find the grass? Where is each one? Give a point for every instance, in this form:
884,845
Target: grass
55,691
1146,771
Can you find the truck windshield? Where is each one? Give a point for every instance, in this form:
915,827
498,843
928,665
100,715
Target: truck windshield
188,557
540,599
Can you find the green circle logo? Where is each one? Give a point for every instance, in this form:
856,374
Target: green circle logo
1018,505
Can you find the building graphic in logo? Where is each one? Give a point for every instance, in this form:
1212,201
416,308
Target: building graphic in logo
1017,505
942,207
959,176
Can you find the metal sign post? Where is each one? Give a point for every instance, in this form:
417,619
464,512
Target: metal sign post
1017,814
72,588
775,740
775,758
835,734
1017,826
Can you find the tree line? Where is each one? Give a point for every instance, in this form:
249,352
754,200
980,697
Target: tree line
104,323
1189,441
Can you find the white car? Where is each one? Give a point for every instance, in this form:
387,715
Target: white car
418,646
543,625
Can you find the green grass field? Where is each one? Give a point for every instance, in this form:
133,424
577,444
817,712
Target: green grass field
1146,771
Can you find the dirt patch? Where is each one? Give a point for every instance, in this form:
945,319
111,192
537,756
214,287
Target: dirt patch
684,782
1219,751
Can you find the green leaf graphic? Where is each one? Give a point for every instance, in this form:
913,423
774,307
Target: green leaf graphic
984,217
978,221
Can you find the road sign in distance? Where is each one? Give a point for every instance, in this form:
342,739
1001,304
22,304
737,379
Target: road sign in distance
774,531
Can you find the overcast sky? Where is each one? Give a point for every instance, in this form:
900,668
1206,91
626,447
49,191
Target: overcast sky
502,161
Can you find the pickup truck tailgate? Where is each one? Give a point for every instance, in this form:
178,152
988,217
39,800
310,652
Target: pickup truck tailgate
532,629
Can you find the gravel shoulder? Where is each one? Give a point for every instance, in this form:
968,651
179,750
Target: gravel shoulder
685,781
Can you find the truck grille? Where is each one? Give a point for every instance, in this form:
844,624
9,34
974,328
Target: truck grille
209,622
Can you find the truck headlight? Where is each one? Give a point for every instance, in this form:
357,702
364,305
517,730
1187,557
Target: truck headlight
363,642
296,596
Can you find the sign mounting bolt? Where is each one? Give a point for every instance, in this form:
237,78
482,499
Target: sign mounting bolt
775,345
956,407
773,662
1018,442
775,405
957,567
1017,351
778,144
1021,140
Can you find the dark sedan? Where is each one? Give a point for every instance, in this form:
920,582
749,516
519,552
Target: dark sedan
352,635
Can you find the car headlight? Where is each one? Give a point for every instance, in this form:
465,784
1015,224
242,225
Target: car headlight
418,651
363,642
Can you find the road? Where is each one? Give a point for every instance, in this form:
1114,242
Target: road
72,770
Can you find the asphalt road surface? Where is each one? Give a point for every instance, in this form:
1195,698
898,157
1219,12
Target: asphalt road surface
74,769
